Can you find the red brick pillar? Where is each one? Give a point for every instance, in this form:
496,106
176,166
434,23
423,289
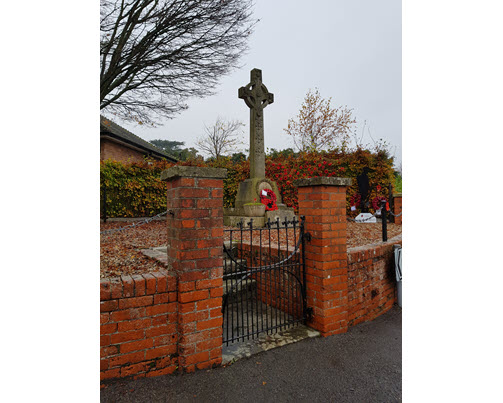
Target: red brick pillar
322,200
195,239
397,207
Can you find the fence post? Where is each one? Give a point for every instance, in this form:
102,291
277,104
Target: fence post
322,200
104,202
390,200
195,248
384,220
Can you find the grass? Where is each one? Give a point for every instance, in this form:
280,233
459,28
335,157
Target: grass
398,184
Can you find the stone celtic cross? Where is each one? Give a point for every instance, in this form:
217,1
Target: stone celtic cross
256,97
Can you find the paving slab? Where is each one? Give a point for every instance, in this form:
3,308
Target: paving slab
265,342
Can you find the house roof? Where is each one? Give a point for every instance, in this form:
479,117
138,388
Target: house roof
113,130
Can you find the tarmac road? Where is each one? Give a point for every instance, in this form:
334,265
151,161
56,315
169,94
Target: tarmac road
362,365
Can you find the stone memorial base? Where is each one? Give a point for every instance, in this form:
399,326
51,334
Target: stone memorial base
234,220
281,213
233,216
249,192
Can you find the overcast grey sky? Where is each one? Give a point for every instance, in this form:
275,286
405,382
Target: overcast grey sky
349,49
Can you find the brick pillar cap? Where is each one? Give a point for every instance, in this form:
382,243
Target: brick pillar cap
323,180
193,172
397,195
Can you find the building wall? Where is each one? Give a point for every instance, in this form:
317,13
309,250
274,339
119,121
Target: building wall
118,152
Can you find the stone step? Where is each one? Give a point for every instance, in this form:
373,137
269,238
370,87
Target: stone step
244,286
231,266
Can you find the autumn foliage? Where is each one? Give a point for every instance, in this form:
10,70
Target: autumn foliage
320,126
286,170
132,190
135,190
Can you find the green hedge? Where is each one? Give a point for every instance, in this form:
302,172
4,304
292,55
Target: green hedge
132,190
135,190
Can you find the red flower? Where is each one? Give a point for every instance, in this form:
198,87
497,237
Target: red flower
378,187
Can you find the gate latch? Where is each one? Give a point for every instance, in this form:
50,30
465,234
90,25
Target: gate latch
307,235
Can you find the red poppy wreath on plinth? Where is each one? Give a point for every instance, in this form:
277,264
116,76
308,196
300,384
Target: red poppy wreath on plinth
269,199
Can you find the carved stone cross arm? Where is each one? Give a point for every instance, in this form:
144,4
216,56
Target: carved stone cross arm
255,93
256,97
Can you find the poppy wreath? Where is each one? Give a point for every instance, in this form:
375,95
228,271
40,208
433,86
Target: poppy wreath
269,200
355,200
376,203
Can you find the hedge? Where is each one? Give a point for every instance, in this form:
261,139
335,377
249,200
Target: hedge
135,190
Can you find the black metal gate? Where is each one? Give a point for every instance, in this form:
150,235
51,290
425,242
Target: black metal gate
264,279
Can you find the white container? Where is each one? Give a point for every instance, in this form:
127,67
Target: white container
397,250
399,292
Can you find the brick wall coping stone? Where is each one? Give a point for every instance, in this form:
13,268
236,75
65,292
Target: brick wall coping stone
193,172
391,241
323,180
397,195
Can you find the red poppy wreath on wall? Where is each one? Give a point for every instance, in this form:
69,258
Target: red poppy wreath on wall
268,198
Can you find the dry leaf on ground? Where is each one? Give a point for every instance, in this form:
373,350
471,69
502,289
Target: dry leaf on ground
119,251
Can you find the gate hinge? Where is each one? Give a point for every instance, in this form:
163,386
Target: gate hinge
309,313
307,235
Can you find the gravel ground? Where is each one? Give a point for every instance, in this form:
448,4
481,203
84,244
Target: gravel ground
119,251
362,365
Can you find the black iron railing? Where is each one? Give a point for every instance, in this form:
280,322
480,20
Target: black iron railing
264,279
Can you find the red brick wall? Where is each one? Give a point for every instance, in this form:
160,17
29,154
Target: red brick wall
118,152
138,323
276,288
397,207
343,287
371,281
152,324
326,260
195,239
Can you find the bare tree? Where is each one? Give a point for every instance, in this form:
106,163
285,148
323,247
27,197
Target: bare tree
221,138
319,126
155,54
